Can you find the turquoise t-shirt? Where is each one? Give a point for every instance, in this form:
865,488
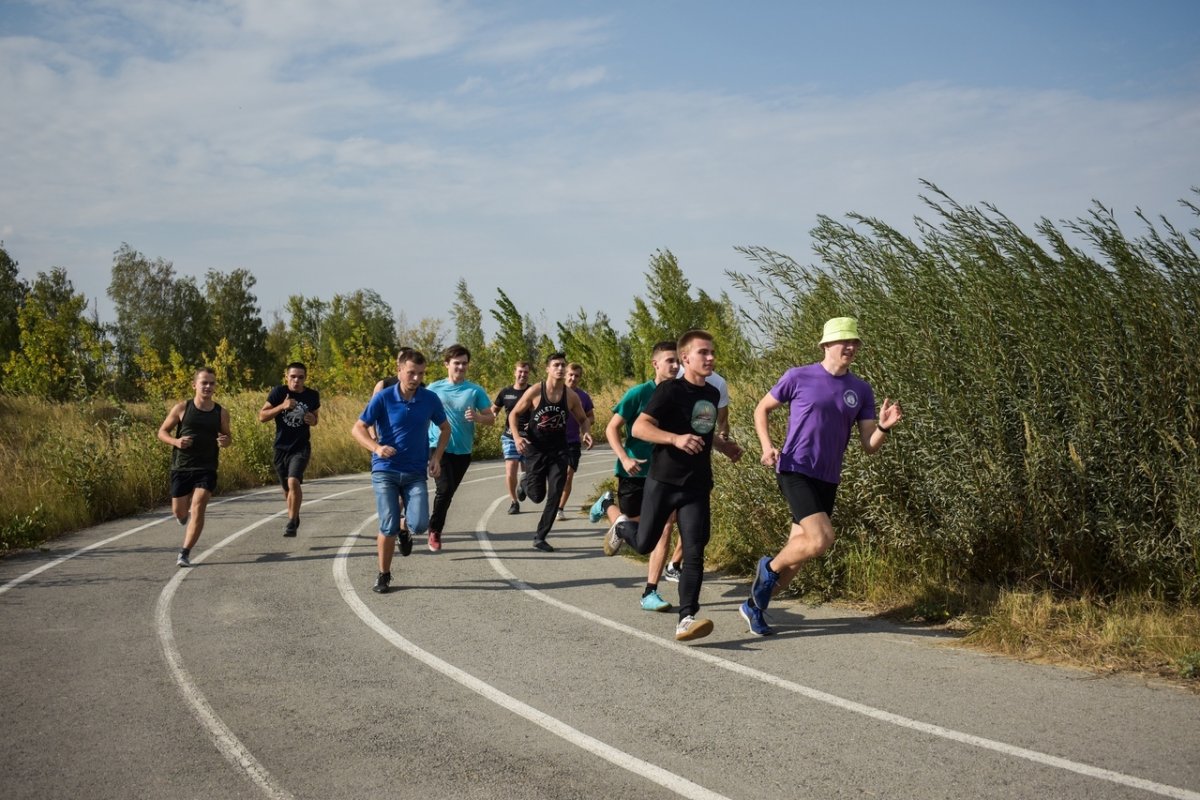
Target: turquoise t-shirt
629,406
457,398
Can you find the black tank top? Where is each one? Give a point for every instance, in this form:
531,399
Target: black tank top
203,427
547,425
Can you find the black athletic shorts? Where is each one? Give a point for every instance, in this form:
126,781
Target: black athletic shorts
291,464
806,496
184,482
629,495
574,453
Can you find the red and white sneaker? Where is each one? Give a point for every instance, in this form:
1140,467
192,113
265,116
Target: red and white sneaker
435,541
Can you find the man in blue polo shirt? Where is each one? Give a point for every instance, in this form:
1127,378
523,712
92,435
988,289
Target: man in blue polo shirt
401,457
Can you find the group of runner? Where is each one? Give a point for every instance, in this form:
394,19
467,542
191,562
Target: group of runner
663,431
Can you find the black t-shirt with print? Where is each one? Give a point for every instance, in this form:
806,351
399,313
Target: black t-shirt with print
506,398
681,407
291,431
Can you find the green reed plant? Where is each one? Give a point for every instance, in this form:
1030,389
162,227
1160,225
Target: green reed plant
1049,389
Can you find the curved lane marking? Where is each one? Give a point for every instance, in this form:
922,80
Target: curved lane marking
222,735
668,780
1044,759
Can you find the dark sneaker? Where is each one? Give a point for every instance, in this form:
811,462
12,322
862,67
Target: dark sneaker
521,495
672,572
764,584
383,583
183,561
435,541
405,540
691,628
655,602
600,506
183,522
755,619
613,541
543,545
514,508
292,526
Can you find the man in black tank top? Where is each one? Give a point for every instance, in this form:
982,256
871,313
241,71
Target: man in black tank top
540,435
195,429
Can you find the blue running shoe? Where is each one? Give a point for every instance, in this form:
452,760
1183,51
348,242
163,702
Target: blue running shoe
755,619
599,507
764,584
654,602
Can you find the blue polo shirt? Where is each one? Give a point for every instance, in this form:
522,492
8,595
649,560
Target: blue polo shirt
403,424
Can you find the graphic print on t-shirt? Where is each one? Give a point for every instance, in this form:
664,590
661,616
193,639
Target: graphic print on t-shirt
704,417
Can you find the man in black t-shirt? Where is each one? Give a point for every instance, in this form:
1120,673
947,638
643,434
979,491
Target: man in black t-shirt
679,420
294,408
506,398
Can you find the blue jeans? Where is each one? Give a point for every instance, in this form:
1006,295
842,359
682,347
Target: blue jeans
389,488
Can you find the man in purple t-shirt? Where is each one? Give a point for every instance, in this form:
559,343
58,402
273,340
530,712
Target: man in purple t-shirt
825,402
574,446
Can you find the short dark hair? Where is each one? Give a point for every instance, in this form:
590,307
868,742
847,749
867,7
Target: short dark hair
295,365
455,351
662,347
209,370
411,356
554,357
691,336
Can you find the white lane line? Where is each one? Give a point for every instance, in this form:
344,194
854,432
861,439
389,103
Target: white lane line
1044,759
22,578
222,735
669,780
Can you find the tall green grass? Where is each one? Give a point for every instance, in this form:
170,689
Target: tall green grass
1050,389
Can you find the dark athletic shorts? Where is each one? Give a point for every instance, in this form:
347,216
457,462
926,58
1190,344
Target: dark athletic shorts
574,453
291,464
629,495
806,496
184,482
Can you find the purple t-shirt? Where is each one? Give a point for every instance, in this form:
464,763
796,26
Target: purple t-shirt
573,436
823,410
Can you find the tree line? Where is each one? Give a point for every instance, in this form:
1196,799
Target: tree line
166,324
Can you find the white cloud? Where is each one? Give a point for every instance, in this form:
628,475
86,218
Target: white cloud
581,79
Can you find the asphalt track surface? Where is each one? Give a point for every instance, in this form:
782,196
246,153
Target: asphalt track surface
493,670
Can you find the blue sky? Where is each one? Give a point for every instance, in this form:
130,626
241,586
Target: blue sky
549,148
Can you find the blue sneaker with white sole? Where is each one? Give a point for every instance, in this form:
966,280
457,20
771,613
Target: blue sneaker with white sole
764,583
655,602
755,619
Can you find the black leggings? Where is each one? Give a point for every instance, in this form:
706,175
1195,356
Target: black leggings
659,500
454,467
545,476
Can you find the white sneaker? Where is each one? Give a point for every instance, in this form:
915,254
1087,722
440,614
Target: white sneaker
561,514
671,573
691,628
613,542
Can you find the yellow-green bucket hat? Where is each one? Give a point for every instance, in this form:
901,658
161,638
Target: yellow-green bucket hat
840,329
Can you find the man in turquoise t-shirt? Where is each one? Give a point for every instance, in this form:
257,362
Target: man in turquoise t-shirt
466,403
633,456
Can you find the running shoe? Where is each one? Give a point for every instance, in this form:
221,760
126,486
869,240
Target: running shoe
383,583
691,628
755,619
435,541
543,545
183,561
405,539
183,522
515,508
764,583
292,526
613,541
600,506
672,572
654,602
521,495
561,515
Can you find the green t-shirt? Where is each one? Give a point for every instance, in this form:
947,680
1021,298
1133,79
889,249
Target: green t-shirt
629,406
